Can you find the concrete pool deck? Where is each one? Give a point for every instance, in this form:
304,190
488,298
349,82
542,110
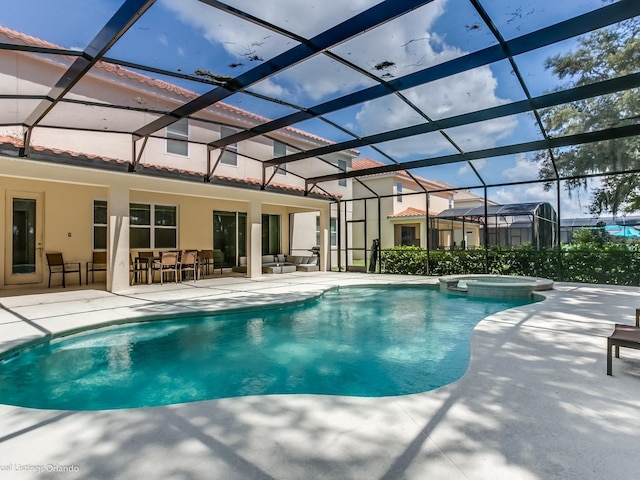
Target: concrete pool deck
536,402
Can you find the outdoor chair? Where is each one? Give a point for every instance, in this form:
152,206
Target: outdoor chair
218,259
205,261
168,264
97,264
208,260
58,265
189,263
136,269
623,336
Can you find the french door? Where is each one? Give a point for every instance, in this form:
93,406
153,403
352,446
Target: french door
24,236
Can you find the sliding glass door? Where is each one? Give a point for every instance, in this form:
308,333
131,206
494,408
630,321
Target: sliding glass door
230,236
271,238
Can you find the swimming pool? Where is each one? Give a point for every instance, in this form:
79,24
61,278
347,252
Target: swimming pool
355,341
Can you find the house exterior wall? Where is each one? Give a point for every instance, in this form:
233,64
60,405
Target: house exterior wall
102,133
388,226
68,194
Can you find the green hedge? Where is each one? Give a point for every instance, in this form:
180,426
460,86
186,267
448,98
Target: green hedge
611,263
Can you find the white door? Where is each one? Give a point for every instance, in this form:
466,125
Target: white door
24,253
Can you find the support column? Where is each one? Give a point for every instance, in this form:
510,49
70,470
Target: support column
325,244
118,241
254,226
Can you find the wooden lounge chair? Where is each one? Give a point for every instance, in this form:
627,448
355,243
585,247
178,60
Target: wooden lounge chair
97,264
626,336
58,265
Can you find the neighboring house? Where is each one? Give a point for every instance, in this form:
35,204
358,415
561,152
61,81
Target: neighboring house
395,209
402,203
464,234
90,186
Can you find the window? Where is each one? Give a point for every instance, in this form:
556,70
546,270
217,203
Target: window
342,166
271,235
161,233
230,155
399,192
165,230
230,236
408,236
177,138
280,150
99,225
334,232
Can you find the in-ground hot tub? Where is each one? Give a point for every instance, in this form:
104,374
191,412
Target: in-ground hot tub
494,286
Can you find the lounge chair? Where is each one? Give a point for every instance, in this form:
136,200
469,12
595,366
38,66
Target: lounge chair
626,336
58,265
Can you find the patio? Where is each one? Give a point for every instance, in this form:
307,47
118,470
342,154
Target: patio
536,402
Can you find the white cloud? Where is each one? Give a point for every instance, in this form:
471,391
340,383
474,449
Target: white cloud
403,45
410,46
524,169
572,205
317,78
466,168
269,88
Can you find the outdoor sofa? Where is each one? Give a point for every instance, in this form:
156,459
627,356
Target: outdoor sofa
282,264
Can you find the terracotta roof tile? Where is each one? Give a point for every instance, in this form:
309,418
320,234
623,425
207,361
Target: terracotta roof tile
364,163
151,82
18,143
411,212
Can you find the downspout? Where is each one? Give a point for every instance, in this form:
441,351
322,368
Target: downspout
558,237
428,233
486,233
379,236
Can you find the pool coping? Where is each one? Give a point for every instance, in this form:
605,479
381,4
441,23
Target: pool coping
531,405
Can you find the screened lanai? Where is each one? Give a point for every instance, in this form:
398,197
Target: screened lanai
499,98
517,224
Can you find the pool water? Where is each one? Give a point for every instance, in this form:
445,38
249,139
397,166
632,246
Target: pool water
371,342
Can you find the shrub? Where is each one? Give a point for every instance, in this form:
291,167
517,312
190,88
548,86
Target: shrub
593,262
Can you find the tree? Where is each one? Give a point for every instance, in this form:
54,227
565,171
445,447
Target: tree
603,54
595,235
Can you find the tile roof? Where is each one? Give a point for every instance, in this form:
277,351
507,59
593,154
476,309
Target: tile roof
10,145
411,212
364,163
154,83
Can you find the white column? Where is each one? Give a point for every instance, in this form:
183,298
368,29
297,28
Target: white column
118,241
254,255
325,244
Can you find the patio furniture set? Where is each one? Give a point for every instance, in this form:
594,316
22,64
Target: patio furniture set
274,264
176,264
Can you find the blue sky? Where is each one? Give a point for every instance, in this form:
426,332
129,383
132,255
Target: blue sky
186,36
